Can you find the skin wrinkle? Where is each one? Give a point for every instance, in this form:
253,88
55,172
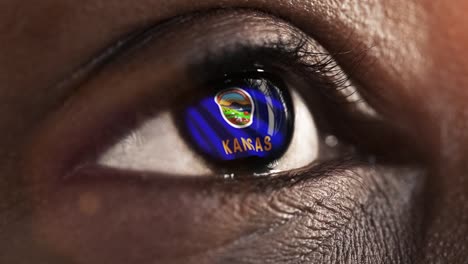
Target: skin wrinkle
300,212
406,253
320,208
304,214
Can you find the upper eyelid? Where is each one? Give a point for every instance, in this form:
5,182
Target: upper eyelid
130,42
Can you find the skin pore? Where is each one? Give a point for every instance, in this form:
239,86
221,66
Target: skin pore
413,73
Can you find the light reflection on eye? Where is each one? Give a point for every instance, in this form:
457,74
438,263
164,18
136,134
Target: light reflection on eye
248,126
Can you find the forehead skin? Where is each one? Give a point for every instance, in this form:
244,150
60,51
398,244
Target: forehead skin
418,52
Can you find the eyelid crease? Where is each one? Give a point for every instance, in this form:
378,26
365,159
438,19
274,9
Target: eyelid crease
72,81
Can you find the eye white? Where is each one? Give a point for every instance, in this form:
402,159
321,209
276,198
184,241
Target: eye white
304,146
156,146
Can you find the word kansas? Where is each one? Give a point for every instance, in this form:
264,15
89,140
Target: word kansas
236,145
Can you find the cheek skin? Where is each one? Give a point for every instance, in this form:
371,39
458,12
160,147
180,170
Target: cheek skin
447,99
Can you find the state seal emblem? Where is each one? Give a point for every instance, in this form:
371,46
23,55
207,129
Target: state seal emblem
236,107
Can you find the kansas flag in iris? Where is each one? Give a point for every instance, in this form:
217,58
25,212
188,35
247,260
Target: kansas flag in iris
251,119
236,107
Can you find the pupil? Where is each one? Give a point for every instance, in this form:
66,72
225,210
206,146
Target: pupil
247,120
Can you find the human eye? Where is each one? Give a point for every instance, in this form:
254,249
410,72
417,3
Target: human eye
264,102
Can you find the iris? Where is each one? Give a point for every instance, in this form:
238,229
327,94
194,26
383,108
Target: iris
246,119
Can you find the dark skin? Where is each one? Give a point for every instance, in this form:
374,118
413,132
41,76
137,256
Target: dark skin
414,73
